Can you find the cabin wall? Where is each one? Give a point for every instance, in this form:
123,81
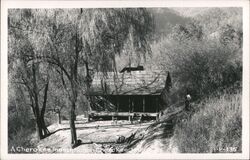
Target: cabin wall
135,103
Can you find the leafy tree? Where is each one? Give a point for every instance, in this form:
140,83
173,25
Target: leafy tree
76,40
202,67
231,36
191,31
27,70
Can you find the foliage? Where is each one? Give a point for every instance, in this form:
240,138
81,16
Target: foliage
21,138
213,19
26,70
190,31
215,127
65,47
70,44
199,67
20,121
231,36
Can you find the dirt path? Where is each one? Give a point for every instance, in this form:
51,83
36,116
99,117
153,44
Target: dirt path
101,137
96,137
156,139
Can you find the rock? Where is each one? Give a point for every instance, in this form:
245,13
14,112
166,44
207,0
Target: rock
120,139
114,150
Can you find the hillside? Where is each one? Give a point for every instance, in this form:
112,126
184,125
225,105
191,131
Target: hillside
216,125
165,19
190,12
212,19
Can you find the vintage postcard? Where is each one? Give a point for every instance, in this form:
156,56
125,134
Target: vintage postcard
125,79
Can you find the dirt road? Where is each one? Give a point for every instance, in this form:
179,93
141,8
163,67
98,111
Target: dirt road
96,137
101,137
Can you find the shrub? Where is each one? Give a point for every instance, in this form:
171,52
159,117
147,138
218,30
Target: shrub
199,64
21,138
201,67
215,127
21,125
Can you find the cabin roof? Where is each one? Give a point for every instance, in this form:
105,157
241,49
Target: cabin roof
128,83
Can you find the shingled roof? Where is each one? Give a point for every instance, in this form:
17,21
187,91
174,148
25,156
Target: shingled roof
128,83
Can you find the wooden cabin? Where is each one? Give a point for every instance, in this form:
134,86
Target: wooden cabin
126,94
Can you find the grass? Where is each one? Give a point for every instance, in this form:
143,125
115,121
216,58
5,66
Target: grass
21,129
21,139
215,127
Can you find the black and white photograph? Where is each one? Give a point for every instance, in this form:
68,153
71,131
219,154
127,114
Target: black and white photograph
125,80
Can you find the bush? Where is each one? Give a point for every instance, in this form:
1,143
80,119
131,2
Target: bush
21,125
216,127
19,132
21,138
198,63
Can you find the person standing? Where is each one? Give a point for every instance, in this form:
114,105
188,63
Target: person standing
187,102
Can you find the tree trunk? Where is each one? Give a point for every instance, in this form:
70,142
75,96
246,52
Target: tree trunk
44,128
88,81
72,126
36,107
59,118
72,115
39,127
74,72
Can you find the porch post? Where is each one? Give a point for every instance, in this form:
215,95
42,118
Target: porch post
143,104
157,108
157,104
133,105
129,107
117,104
132,109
